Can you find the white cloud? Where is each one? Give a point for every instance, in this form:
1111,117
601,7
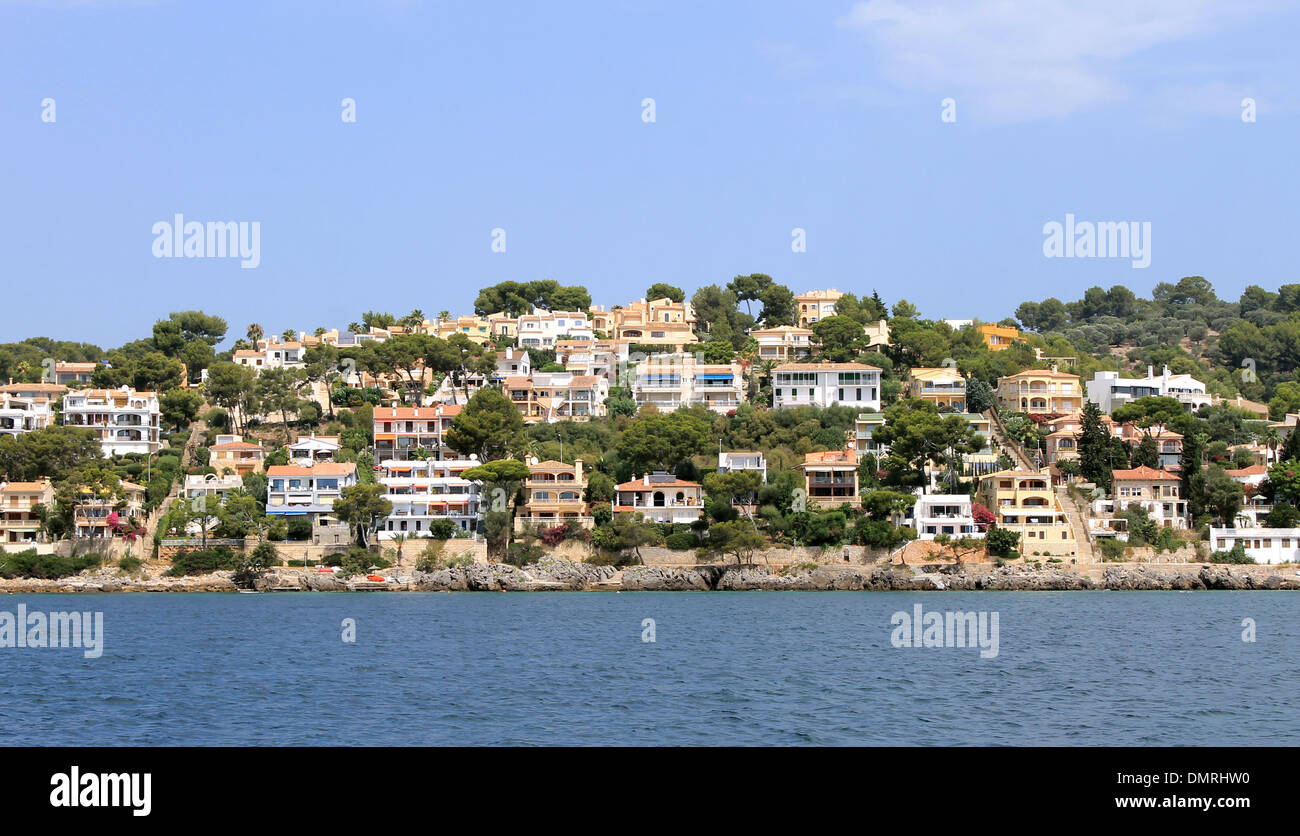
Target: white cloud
1017,60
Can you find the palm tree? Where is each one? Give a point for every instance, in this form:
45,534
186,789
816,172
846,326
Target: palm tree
400,540
255,333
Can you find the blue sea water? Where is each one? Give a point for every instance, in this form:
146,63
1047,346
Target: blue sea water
726,668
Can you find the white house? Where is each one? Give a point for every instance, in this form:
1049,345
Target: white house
941,513
314,448
1109,391
22,415
743,460
1265,545
661,497
541,328
126,421
826,384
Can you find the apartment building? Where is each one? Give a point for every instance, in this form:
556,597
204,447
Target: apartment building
547,397
1024,501
942,386
126,421
18,500
657,322
295,490
815,305
428,490
232,453
831,477
783,344
542,328
402,432
1110,391
661,497
101,515
670,381
999,337
826,384
1158,492
553,496
1043,391
22,415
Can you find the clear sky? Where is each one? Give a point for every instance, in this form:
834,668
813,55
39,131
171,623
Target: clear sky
527,116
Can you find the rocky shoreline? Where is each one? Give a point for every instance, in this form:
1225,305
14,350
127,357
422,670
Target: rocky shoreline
553,574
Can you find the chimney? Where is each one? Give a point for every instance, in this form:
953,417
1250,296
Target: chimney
1150,372
577,468
1053,368
645,479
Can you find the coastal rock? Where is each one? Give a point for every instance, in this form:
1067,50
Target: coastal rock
323,582
569,575
664,579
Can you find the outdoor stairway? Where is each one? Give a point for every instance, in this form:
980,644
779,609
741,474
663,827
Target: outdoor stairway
1078,524
1008,445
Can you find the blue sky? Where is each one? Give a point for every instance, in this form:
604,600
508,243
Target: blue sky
527,117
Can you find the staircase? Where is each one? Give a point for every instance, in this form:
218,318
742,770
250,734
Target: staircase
1007,444
1078,524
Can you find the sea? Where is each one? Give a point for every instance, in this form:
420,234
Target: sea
661,668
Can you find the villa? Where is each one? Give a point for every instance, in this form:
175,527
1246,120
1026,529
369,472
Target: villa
1041,391
553,496
826,384
661,497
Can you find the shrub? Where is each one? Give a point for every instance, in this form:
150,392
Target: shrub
442,529
1001,542
357,561
681,541
129,563
203,561
1237,554
29,564
523,554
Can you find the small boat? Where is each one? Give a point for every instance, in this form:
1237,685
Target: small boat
250,592
377,578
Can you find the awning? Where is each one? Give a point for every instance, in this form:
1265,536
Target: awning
716,377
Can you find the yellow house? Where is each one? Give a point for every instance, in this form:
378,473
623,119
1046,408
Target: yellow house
553,495
1024,501
942,386
476,328
999,337
657,322
816,305
232,453
1041,391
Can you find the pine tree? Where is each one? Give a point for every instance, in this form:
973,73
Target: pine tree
1094,444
